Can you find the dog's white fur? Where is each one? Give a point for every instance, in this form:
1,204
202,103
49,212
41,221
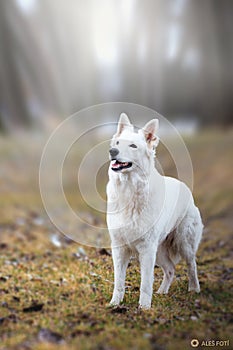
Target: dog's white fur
149,215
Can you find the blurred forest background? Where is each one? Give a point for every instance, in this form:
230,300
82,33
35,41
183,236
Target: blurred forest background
57,57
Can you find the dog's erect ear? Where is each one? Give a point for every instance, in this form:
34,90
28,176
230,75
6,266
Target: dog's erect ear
123,124
149,131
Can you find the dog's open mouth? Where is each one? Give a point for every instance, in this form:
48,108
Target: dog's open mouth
117,166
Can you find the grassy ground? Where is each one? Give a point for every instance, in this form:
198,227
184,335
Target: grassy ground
55,294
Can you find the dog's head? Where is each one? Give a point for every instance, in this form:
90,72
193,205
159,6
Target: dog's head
128,148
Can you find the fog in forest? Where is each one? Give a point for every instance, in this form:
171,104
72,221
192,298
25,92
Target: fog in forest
58,57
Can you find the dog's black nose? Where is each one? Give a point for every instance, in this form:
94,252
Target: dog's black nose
113,152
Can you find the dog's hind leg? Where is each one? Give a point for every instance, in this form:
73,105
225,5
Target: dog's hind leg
189,233
164,261
192,273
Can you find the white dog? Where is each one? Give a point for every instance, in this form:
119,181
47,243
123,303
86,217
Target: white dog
149,215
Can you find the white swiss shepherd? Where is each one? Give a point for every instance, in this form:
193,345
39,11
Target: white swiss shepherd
148,215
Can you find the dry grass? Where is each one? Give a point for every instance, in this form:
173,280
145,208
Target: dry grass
53,298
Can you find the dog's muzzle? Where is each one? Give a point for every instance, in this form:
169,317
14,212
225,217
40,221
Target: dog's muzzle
116,164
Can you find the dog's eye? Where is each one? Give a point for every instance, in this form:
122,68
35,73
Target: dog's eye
133,145
117,143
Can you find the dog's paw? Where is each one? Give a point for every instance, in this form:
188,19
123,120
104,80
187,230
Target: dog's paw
144,306
161,291
113,303
145,301
110,306
194,289
117,298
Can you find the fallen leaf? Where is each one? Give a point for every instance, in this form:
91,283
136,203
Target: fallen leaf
4,278
119,309
3,245
104,251
55,240
82,251
193,318
11,317
46,335
33,307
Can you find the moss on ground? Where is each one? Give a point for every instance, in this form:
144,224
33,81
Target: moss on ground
57,297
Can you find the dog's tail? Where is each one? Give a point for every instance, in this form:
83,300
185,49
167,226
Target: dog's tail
171,247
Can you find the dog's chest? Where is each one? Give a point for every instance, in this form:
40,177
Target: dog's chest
127,200
127,211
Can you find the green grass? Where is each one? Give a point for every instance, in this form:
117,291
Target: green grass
69,295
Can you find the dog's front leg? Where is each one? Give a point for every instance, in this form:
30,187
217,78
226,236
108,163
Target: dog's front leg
147,262
120,257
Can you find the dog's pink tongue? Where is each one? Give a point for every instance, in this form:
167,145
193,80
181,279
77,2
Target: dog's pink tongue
115,165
